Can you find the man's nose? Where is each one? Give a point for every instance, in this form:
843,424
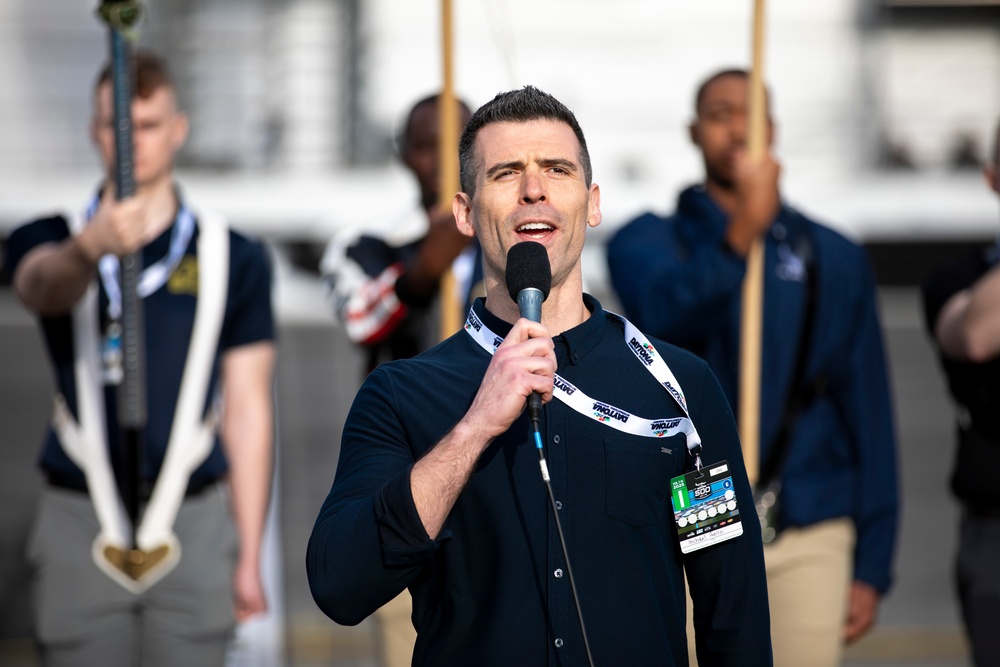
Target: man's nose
738,127
532,188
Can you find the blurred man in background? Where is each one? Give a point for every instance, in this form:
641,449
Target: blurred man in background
962,314
203,492
383,278
826,415
383,281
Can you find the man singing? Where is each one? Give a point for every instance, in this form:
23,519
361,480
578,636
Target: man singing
439,490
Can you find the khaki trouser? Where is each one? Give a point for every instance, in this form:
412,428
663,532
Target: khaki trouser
396,635
82,617
809,574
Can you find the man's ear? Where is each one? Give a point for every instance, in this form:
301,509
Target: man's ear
405,157
594,215
693,133
180,131
461,208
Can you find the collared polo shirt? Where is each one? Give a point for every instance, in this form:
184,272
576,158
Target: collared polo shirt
168,319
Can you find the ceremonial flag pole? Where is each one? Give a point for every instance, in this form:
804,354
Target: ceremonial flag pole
122,17
396,632
751,316
450,316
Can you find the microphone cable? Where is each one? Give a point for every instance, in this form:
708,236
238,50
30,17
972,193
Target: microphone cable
529,279
534,414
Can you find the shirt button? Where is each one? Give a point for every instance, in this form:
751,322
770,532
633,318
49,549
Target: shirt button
558,504
556,438
558,642
558,573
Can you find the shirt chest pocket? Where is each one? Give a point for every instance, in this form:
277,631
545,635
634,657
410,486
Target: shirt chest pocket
638,473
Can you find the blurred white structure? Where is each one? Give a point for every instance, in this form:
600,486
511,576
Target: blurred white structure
294,102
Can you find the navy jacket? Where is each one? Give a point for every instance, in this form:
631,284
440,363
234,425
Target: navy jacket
491,589
678,280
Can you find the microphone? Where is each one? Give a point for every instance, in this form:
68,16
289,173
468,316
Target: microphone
529,279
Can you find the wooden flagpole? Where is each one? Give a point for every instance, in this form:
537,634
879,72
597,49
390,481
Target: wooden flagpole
450,315
395,630
751,316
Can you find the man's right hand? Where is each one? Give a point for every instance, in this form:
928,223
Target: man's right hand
757,201
524,363
116,228
53,276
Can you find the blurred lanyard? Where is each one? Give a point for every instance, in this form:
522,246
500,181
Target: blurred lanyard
606,413
153,276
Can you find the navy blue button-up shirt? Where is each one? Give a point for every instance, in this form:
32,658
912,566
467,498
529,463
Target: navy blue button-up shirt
491,590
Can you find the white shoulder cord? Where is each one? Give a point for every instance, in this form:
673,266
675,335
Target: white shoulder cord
191,438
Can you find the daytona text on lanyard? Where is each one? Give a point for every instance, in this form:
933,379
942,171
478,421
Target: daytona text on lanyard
605,413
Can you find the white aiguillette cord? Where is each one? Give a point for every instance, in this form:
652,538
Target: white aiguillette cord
191,437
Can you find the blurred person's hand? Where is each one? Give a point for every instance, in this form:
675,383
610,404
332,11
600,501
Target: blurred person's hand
248,591
757,200
116,227
862,608
438,250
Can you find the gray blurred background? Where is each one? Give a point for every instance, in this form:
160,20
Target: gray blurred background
885,110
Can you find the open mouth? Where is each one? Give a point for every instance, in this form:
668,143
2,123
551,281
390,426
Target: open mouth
534,230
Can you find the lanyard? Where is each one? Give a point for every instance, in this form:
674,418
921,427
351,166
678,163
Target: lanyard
154,276
605,413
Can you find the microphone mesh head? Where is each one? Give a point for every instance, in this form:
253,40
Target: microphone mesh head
528,266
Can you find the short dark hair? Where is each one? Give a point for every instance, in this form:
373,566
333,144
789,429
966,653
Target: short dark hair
150,73
722,74
402,136
515,106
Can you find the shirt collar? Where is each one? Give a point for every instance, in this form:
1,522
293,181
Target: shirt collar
572,345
